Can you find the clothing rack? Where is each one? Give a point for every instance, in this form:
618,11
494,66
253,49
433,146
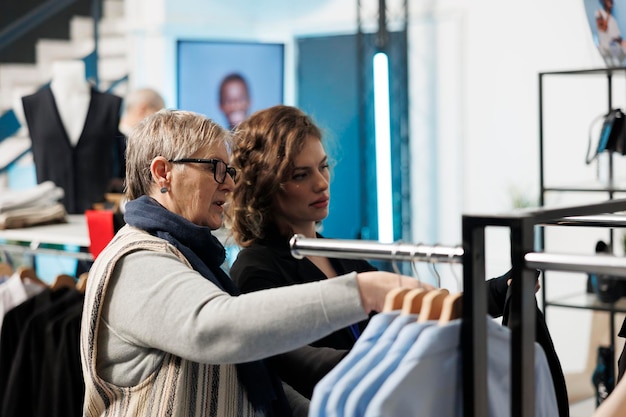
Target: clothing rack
359,249
524,262
363,249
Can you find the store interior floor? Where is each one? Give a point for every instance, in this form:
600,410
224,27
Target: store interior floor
584,408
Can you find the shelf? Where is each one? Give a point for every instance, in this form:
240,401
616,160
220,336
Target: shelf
604,220
610,187
588,302
50,239
73,232
588,189
599,71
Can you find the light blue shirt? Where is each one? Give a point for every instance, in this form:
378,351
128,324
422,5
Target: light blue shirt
375,328
351,376
360,396
428,381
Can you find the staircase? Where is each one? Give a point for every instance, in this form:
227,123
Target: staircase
18,80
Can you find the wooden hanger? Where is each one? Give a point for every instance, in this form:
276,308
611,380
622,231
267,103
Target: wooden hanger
452,308
81,285
412,302
431,305
63,280
6,270
394,298
26,272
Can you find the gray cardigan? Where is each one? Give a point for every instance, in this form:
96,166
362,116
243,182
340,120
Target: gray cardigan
157,303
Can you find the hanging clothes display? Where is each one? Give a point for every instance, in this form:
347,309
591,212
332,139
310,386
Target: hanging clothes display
40,372
420,373
343,387
364,344
548,373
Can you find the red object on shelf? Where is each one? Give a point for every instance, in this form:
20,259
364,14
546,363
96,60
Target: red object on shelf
101,229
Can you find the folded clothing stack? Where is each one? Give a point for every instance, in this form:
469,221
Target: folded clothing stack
33,206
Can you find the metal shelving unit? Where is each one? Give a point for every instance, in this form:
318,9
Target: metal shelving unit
610,188
472,255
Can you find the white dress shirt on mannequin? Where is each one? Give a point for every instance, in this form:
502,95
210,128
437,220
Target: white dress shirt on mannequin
72,94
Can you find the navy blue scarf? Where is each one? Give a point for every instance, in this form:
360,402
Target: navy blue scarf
206,254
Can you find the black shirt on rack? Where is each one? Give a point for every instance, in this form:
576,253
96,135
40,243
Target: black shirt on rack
543,338
30,372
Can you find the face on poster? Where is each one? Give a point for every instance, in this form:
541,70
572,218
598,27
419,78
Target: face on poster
227,81
607,21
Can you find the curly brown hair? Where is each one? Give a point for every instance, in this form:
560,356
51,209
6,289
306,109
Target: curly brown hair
265,147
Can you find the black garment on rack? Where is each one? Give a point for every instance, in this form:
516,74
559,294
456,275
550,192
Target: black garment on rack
63,388
543,338
12,325
61,374
30,374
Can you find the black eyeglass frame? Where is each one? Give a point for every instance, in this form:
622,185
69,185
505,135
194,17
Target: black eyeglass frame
227,171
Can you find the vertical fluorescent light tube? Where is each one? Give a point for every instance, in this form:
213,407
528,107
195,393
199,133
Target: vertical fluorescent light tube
382,127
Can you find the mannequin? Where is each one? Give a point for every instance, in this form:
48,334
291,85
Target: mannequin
72,94
73,130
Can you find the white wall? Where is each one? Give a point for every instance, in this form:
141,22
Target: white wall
479,61
474,68
483,59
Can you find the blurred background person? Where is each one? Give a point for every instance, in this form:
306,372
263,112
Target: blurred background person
610,40
234,99
138,105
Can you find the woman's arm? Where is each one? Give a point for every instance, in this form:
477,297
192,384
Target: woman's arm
615,404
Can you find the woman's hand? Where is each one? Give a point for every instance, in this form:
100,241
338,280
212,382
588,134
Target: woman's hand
374,286
537,284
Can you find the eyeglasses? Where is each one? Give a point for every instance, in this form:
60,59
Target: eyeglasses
220,169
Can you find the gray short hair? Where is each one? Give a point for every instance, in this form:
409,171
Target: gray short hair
172,134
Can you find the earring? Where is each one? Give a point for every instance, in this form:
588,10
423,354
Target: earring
163,190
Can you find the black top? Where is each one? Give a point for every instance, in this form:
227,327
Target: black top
269,264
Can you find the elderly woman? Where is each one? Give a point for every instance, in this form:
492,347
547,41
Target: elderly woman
164,331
